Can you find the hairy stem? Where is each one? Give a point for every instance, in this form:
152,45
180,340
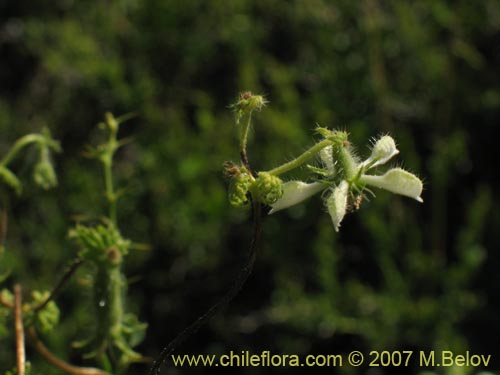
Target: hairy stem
225,300
19,329
244,140
59,363
297,162
108,301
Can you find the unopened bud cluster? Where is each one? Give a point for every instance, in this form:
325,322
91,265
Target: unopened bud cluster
266,188
247,103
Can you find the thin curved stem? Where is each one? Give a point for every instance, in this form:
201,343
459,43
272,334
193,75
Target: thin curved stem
226,299
59,363
70,270
18,146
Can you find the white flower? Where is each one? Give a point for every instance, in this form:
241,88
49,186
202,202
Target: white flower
395,180
295,192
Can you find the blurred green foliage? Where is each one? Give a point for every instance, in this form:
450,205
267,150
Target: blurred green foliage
399,275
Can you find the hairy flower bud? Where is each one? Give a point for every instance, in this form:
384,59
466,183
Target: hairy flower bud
383,150
268,188
238,189
247,103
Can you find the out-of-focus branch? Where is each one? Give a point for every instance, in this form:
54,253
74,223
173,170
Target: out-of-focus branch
70,270
19,329
6,303
57,362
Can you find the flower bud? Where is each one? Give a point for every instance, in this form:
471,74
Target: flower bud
267,188
44,174
383,150
247,103
338,137
111,122
238,189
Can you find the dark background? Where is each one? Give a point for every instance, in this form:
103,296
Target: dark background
398,276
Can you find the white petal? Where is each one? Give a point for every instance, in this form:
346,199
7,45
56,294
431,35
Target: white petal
383,150
326,155
337,204
397,181
295,192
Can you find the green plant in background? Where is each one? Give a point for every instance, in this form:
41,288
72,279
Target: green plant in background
117,332
102,246
40,313
425,72
43,173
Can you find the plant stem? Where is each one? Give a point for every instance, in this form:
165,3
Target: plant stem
244,140
18,146
297,162
70,270
59,363
110,193
227,298
19,329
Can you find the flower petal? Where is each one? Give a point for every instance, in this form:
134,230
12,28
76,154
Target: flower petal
337,204
295,192
397,181
383,150
326,155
